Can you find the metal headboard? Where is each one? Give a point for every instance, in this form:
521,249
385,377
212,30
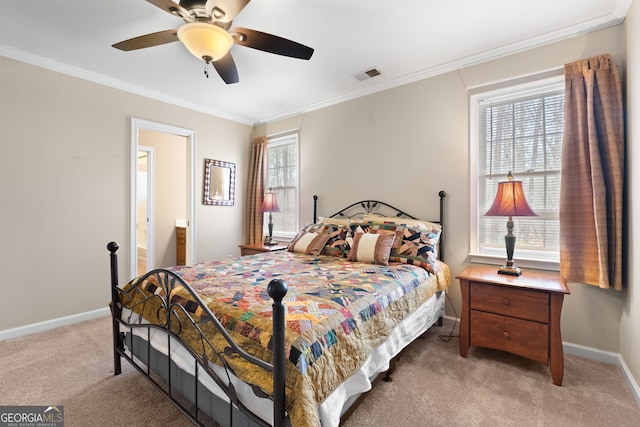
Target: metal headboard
379,208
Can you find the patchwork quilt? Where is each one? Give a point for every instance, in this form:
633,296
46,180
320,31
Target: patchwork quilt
336,312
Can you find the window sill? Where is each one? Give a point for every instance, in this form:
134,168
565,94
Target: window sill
519,262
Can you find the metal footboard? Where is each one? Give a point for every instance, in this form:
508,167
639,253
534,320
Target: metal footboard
164,313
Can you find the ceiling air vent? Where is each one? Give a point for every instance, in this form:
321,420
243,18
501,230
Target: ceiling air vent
368,74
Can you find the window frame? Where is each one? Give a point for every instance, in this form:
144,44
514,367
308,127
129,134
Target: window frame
274,141
503,92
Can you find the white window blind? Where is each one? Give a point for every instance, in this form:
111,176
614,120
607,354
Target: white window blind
283,179
520,131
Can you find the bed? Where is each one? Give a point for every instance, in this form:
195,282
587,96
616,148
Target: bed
290,337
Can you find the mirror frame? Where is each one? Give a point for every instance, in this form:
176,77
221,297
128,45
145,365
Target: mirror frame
208,198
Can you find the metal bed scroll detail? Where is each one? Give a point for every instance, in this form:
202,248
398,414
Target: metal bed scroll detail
174,319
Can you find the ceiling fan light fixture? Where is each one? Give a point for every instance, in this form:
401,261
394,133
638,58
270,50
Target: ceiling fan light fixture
205,40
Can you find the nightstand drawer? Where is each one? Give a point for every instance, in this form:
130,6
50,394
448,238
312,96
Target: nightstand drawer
516,302
517,336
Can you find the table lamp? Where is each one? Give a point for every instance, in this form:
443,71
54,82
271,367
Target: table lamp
270,204
510,201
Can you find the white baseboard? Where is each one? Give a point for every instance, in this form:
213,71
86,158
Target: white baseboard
54,323
606,357
628,377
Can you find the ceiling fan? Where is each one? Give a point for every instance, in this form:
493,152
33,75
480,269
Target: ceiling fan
206,35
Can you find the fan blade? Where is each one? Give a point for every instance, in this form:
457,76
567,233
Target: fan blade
270,43
225,10
148,40
226,67
170,7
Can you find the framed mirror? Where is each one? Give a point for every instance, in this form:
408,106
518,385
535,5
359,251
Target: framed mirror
219,183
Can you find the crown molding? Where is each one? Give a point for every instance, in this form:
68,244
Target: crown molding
488,55
615,18
104,80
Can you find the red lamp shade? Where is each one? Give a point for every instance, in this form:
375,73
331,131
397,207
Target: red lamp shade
510,200
270,203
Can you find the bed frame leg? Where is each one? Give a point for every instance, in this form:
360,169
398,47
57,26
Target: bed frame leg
392,368
113,247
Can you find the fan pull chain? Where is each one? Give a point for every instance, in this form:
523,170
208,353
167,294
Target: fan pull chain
206,69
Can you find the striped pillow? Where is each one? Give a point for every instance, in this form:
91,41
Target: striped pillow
373,248
308,243
336,244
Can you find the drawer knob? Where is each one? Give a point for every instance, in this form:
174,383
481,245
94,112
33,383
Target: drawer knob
506,301
506,334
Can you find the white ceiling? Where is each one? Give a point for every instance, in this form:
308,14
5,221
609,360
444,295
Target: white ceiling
406,40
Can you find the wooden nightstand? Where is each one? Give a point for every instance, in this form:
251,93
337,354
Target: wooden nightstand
517,314
254,248
181,245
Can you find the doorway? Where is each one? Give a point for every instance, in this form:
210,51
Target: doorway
155,227
144,199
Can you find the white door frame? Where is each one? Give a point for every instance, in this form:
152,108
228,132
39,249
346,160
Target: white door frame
136,126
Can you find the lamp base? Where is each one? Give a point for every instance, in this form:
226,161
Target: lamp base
510,270
270,242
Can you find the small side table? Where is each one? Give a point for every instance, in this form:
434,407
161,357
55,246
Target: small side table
181,245
517,314
255,248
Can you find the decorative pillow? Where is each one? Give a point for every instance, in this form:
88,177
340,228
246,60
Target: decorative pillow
417,247
429,226
373,248
374,228
336,243
308,243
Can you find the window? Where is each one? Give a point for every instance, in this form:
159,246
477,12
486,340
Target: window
518,129
283,179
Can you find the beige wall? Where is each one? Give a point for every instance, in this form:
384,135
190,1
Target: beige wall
407,143
64,188
64,169
630,323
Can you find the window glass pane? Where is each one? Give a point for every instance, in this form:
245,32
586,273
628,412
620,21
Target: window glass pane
282,178
282,222
522,134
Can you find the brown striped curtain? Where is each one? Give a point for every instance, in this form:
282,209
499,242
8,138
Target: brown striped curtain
255,190
592,178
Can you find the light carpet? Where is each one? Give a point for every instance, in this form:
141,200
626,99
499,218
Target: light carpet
432,386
